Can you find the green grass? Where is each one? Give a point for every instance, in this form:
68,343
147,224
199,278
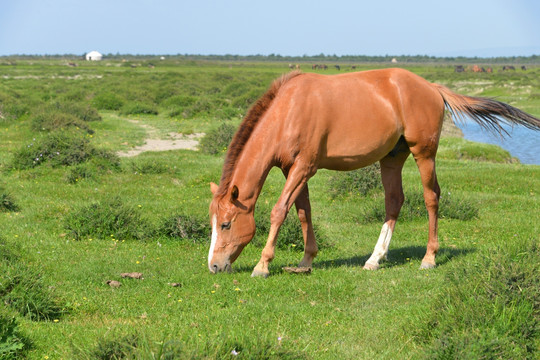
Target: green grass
480,302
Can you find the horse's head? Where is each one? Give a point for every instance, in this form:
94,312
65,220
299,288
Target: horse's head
233,227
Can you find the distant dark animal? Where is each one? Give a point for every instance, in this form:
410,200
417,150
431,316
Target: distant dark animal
459,69
337,67
508,67
524,68
353,67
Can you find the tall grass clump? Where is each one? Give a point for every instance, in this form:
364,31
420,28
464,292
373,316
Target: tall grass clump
106,219
356,182
489,310
216,141
14,344
120,347
7,202
23,289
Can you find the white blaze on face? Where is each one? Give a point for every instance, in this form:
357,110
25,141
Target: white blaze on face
214,239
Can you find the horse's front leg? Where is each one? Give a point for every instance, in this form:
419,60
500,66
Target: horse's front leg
303,208
299,174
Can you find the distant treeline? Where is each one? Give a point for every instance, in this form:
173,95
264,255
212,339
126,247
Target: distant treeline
321,58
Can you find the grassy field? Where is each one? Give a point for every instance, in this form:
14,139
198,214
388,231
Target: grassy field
74,216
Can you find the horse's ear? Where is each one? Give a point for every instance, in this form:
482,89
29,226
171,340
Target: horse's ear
234,193
213,187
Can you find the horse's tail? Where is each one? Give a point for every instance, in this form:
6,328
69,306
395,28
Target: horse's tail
489,113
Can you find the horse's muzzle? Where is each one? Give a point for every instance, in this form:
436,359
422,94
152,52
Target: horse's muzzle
217,267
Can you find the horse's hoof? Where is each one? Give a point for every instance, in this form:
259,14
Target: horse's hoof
259,273
425,265
368,266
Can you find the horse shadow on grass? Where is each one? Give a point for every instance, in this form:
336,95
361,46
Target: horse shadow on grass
397,257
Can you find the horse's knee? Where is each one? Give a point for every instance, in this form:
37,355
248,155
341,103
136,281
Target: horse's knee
278,215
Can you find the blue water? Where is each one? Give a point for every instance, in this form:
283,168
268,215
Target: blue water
522,143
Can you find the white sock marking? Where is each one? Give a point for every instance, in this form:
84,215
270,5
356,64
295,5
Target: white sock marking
381,248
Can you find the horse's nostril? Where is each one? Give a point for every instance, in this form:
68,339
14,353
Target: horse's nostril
215,267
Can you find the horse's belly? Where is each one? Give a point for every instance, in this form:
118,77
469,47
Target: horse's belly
351,152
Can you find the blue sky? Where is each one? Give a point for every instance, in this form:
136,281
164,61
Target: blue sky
285,27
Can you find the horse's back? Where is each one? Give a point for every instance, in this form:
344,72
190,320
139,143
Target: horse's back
352,120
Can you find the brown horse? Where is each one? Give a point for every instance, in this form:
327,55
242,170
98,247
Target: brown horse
306,122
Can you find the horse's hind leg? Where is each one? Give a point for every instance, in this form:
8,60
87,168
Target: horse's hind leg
303,208
391,167
432,193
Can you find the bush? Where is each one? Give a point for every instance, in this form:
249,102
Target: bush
107,101
136,108
7,203
357,182
57,149
186,227
106,219
216,141
414,207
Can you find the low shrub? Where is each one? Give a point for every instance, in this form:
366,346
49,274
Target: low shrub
101,163
106,219
138,108
81,111
186,227
50,121
461,149
356,182
107,101
58,148
147,166
216,141
414,207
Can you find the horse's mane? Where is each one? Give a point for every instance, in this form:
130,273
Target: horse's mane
246,129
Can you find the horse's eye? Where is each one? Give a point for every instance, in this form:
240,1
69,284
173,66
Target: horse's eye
226,225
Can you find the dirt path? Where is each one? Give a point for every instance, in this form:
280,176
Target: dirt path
175,141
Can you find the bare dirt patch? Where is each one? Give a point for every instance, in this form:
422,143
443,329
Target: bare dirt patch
174,141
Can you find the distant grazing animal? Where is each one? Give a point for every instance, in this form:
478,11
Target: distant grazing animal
337,67
306,122
508,67
524,68
459,69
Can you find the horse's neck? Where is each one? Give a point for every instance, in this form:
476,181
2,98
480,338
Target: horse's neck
252,168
